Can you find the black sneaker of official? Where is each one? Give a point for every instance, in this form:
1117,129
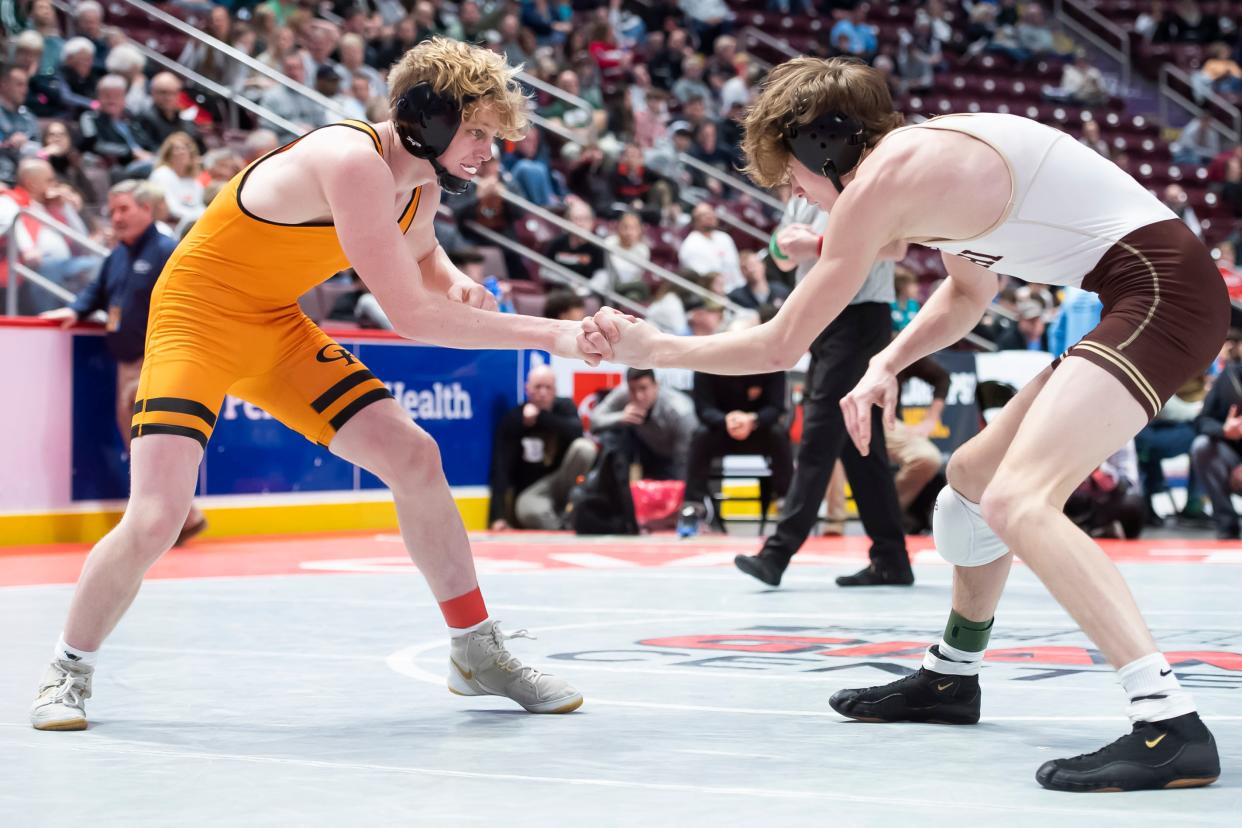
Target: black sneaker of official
923,696
765,567
1172,753
877,574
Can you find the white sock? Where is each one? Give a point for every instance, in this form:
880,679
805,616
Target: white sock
454,632
951,661
1153,690
64,652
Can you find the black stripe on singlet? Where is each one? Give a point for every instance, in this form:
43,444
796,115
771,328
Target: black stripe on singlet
177,405
160,428
347,413
338,390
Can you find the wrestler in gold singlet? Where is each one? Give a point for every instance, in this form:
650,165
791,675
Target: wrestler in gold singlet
225,320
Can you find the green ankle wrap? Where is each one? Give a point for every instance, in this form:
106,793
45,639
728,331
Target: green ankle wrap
966,635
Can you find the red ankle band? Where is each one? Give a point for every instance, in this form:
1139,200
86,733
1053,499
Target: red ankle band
464,610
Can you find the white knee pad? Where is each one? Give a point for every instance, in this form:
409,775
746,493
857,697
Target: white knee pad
962,537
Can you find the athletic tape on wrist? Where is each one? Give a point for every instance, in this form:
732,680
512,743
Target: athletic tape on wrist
775,249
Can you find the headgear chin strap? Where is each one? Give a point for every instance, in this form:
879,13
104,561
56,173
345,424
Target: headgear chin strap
831,145
426,122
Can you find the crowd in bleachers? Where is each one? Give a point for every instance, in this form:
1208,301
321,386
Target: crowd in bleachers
643,87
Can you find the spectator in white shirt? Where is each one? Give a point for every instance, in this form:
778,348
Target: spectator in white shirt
709,250
177,166
352,51
39,246
621,272
1199,143
1082,82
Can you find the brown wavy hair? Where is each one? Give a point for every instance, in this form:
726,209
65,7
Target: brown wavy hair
798,92
461,71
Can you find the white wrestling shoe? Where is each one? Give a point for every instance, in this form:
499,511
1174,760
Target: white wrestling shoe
479,665
61,703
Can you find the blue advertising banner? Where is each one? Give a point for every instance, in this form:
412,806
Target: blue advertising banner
457,396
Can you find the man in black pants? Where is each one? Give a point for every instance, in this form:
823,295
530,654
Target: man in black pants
839,358
738,415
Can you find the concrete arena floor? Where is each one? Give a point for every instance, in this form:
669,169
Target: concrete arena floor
301,681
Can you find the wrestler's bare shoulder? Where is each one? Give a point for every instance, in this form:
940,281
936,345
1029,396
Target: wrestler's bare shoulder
953,183
287,186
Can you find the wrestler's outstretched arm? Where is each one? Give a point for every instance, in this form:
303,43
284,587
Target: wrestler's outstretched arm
863,222
360,191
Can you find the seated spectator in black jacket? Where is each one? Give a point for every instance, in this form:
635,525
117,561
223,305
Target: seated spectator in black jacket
110,132
19,129
163,118
78,76
88,20
709,149
574,252
539,454
1216,454
123,289
588,179
757,291
648,423
1187,23
738,415
638,186
1030,333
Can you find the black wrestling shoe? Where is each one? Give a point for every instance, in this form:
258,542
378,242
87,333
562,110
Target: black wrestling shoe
879,575
924,696
764,567
1172,753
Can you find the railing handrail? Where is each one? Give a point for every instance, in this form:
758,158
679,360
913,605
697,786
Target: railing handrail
189,74
733,181
556,92
980,342
770,41
239,56
216,88
543,123
1119,52
749,229
65,230
620,252
17,268
1168,70
721,213
555,267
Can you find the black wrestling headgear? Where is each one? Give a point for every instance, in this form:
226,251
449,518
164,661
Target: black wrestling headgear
830,145
426,122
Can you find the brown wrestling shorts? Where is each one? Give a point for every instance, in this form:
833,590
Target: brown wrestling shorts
1166,312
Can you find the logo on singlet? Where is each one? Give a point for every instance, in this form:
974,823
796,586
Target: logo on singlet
331,353
981,259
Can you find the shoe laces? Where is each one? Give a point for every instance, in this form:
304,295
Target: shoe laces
494,645
69,690
1116,744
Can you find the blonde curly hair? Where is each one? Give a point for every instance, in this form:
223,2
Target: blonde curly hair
461,71
798,92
